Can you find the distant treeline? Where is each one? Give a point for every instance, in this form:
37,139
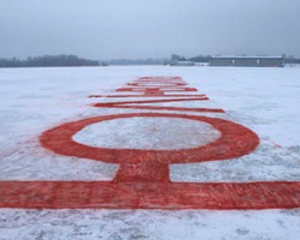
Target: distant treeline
139,61
48,61
73,61
199,58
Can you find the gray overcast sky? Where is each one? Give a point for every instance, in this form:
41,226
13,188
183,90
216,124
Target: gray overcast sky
148,28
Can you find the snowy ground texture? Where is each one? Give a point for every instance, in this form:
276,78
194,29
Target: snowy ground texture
265,100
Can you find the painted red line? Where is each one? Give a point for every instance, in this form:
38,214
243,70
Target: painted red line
155,84
141,195
131,106
145,96
125,89
154,101
207,110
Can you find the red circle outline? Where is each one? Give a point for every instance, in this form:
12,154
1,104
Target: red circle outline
235,141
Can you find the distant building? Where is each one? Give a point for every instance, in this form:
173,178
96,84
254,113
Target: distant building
182,63
247,61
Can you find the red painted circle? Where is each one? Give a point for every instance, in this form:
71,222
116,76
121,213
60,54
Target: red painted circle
235,141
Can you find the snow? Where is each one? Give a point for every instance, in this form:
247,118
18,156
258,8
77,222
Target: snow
141,224
148,133
33,100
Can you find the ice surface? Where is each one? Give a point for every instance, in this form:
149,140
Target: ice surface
33,100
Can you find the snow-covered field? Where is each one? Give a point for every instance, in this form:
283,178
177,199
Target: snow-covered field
266,100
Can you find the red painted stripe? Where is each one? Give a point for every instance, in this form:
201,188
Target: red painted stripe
131,106
155,84
145,96
148,195
154,101
128,89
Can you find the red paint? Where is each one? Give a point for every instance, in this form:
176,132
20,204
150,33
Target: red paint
148,195
164,89
145,171
234,142
154,84
142,180
143,95
129,104
157,86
